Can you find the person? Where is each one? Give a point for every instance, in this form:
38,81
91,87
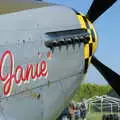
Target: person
77,113
72,108
64,118
64,114
83,109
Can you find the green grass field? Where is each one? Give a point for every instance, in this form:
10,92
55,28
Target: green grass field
96,115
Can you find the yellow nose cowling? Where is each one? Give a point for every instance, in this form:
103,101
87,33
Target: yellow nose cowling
90,47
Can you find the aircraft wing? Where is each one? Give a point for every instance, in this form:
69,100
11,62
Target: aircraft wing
9,6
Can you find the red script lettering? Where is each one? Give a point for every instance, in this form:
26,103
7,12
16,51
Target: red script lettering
19,74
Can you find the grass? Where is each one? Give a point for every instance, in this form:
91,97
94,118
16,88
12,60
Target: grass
96,115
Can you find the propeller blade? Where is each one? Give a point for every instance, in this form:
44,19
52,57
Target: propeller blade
98,7
111,77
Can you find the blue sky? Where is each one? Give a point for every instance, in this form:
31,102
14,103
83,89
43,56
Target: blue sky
108,30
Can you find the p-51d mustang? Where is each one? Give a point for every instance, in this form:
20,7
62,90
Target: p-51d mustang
45,51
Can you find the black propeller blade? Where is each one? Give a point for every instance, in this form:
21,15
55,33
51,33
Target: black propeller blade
98,7
112,78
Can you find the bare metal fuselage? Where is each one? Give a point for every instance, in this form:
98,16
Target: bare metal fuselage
24,33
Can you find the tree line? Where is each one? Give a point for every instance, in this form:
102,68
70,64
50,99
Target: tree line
89,90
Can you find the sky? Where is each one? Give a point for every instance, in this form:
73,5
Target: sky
108,30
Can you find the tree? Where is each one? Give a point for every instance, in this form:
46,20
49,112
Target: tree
89,90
